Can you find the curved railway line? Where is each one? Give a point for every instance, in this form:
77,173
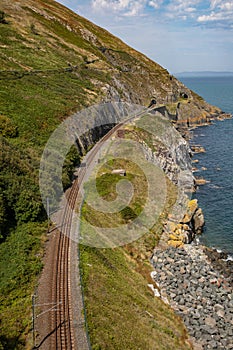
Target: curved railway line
62,332
61,293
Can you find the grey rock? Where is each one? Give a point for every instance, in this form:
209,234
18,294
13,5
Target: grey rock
210,321
194,292
221,313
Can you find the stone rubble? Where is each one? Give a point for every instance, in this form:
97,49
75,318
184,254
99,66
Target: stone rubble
198,293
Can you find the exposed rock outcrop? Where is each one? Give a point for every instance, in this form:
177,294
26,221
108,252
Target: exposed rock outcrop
185,231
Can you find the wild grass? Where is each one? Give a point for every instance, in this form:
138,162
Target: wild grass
121,310
32,104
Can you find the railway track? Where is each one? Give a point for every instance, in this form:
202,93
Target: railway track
61,293
61,321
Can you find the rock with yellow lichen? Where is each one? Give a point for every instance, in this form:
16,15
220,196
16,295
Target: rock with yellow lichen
185,231
192,207
182,234
175,244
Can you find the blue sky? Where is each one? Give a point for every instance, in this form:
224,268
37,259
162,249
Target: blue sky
181,35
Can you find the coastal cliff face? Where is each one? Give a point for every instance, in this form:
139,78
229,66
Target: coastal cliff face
53,64
168,151
177,165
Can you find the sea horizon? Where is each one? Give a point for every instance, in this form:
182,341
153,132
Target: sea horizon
203,74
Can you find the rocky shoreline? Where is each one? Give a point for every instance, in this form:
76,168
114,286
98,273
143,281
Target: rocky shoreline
200,294
221,262
196,281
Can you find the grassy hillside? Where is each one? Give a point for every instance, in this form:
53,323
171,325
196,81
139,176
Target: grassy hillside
122,312
53,62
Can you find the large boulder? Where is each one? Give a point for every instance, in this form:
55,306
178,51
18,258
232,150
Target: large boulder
191,224
192,208
198,221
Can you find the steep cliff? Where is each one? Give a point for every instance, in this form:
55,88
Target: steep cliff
54,63
48,39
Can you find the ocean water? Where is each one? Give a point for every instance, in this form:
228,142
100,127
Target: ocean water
216,197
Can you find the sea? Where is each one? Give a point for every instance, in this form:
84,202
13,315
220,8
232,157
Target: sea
216,165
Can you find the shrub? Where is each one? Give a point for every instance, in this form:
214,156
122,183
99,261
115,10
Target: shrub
128,214
28,207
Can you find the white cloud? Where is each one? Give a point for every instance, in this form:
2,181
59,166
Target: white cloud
182,9
214,3
221,13
156,4
211,17
122,7
135,8
126,7
190,9
112,5
228,6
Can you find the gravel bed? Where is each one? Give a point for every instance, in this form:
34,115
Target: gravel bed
198,293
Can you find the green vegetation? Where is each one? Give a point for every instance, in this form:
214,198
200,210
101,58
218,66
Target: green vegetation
20,263
27,101
73,157
32,104
121,310
106,186
172,108
52,65
7,127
